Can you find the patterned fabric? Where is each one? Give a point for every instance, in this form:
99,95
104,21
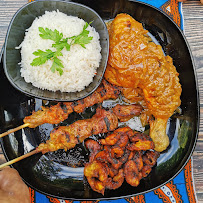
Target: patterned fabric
171,7
180,189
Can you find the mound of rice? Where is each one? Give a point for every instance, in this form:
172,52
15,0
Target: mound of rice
80,64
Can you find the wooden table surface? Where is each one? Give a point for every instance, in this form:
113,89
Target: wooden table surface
193,21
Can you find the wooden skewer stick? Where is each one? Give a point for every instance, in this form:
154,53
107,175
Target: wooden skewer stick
20,158
14,129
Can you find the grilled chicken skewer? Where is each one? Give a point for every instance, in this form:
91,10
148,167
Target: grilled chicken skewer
66,137
58,113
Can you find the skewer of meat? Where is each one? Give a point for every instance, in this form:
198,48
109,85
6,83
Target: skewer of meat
66,137
58,113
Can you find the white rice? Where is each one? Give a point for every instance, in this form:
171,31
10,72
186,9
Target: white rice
80,64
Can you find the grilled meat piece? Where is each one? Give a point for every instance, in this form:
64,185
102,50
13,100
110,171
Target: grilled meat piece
97,175
131,110
93,147
149,160
115,182
132,175
116,136
128,155
53,115
58,113
140,142
66,137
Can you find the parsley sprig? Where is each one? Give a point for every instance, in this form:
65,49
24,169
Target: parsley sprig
59,44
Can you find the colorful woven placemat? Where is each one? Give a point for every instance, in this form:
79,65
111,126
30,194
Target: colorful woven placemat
181,188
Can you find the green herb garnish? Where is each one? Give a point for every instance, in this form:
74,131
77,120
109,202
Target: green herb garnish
59,44
49,34
43,56
57,66
82,38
